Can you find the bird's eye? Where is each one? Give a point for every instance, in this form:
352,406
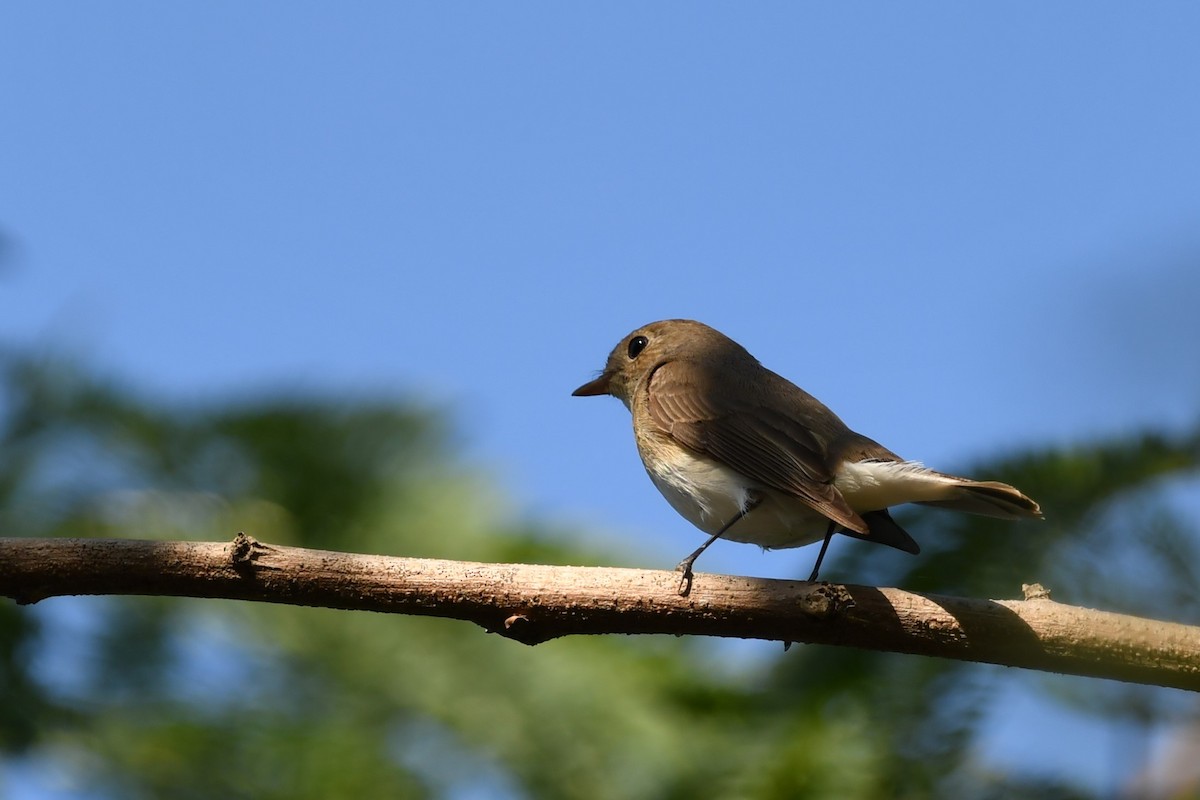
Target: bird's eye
636,345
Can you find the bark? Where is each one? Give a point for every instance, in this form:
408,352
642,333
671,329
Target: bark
533,603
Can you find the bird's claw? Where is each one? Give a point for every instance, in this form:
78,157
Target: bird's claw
685,580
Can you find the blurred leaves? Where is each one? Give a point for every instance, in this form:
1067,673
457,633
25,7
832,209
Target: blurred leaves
164,697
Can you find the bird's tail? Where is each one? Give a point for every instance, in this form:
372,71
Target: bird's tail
987,498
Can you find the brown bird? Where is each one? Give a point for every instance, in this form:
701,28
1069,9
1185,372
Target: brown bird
746,455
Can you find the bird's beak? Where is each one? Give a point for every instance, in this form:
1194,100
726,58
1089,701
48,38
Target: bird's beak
593,388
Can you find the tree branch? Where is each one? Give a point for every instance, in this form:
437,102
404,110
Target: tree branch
533,603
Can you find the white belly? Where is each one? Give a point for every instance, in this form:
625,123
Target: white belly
709,495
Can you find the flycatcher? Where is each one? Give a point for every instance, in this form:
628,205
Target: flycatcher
746,455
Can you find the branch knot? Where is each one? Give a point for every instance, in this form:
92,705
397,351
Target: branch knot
244,552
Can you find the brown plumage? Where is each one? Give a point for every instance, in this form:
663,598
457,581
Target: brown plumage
746,455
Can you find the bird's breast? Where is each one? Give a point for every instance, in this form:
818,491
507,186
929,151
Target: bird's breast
709,494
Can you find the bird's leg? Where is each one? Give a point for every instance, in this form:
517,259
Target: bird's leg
821,556
685,566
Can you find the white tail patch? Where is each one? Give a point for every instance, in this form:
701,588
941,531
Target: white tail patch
874,485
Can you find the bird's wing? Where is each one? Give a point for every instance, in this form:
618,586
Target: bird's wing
764,444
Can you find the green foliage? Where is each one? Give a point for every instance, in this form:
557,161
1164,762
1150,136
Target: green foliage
176,698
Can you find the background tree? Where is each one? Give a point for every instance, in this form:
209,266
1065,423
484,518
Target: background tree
162,697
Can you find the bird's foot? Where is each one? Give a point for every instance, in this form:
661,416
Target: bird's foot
685,580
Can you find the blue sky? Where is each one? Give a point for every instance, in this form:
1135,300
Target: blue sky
967,228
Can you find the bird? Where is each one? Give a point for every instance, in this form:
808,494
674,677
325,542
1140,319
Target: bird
748,456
